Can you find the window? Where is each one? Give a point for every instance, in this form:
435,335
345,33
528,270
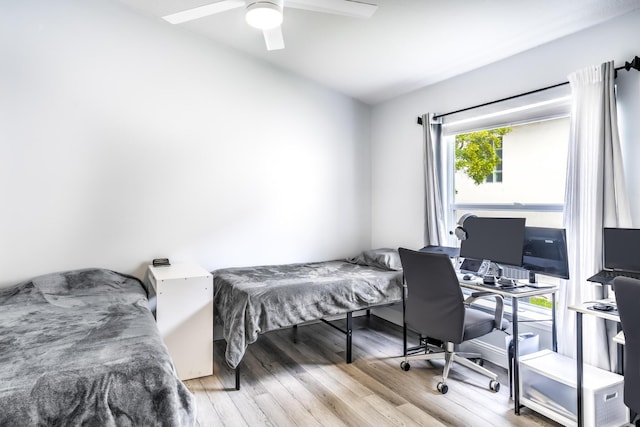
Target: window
533,155
528,177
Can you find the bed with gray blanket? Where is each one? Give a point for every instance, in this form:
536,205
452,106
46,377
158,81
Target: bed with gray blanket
82,348
254,300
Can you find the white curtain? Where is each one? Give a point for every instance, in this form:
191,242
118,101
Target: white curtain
434,226
628,97
595,197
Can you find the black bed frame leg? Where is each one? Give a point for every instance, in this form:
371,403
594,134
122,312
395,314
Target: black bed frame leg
404,339
295,334
349,335
237,377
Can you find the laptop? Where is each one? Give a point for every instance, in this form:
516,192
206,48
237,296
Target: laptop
621,248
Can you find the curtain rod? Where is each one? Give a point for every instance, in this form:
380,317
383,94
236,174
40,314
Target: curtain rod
635,64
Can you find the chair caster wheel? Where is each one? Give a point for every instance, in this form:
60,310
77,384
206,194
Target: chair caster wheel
494,386
442,388
405,366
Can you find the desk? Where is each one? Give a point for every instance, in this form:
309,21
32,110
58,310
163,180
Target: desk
515,294
581,309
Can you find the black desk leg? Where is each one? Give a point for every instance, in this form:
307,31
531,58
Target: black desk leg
554,332
516,367
404,323
579,367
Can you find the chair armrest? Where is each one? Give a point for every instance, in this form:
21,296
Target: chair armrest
497,320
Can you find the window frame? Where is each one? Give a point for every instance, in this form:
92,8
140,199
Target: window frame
497,172
447,174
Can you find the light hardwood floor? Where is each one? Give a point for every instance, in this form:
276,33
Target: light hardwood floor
308,384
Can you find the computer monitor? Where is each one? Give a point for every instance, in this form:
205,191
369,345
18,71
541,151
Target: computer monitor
622,249
545,252
499,240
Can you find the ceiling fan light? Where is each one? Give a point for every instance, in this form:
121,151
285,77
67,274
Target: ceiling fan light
264,15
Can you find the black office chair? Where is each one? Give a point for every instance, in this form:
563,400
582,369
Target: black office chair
627,292
434,307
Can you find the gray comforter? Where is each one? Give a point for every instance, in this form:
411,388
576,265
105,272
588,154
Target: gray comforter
253,300
82,348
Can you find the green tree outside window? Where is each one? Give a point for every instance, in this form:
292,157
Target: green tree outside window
476,153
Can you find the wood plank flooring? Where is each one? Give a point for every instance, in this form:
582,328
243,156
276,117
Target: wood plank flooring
307,383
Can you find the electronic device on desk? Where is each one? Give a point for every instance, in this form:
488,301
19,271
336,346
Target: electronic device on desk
506,283
479,268
489,279
452,252
621,247
161,262
500,282
470,265
602,306
545,252
495,241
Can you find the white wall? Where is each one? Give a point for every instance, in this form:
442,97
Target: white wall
397,177
123,139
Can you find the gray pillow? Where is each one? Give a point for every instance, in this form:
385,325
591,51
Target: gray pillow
384,258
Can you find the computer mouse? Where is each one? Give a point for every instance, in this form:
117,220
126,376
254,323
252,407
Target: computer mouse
467,277
600,306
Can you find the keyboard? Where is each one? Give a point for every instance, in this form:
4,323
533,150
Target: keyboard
606,276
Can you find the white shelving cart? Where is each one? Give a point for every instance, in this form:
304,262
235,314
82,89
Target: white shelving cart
548,386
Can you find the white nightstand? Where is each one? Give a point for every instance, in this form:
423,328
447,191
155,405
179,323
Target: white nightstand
184,314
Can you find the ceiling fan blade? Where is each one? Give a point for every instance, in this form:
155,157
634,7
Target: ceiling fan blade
202,11
353,8
273,38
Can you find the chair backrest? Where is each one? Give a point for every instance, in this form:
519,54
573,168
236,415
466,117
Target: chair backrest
627,292
435,304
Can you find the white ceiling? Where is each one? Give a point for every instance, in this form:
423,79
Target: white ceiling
407,44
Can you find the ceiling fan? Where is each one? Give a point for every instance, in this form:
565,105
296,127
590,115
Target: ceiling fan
266,15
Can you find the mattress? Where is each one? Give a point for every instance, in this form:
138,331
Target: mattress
81,348
250,301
